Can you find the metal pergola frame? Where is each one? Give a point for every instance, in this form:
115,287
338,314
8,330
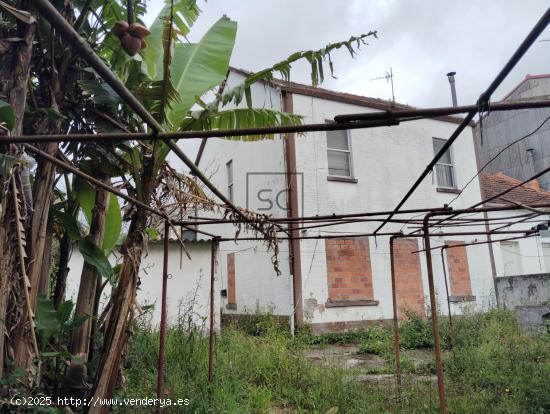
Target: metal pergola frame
370,120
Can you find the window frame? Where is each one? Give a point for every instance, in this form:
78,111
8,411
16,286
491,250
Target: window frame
451,164
348,151
230,180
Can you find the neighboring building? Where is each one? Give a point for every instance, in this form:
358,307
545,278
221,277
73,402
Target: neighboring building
524,256
522,266
344,282
500,129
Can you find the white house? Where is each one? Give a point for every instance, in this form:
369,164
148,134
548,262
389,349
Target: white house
188,292
341,283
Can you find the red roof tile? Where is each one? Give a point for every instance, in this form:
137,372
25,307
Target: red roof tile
527,194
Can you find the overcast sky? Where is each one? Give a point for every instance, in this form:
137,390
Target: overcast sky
421,40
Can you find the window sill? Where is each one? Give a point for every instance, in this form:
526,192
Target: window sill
462,298
341,179
347,303
448,190
231,306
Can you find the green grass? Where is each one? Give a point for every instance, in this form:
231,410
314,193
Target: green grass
495,368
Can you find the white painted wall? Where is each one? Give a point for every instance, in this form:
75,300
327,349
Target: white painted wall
531,254
187,285
258,287
386,163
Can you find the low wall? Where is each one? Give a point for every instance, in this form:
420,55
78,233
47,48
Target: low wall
523,290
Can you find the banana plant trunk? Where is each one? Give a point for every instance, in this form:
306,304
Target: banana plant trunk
16,74
65,249
44,278
89,280
120,319
6,255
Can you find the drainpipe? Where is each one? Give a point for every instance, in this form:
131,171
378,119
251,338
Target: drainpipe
292,212
451,77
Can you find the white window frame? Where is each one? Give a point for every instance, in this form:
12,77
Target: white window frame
452,165
348,151
230,179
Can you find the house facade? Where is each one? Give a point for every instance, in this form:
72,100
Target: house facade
342,283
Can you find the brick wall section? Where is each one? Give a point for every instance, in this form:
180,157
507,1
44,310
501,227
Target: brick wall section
231,297
408,277
459,273
349,274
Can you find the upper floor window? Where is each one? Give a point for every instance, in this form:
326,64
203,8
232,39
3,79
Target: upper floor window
339,154
229,166
444,168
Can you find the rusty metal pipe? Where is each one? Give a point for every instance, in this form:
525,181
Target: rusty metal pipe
448,297
437,112
354,235
212,336
435,323
162,336
396,339
215,133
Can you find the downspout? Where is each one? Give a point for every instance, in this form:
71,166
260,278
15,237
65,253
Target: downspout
292,212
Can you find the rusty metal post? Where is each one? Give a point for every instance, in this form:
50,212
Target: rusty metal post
433,305
212,337
160,373
451,333
395,322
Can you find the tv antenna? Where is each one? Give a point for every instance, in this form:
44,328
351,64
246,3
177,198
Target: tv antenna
389,78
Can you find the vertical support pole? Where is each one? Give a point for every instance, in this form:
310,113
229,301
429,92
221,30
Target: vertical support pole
292,201
211,339
395,321
433,305
448,300
160,373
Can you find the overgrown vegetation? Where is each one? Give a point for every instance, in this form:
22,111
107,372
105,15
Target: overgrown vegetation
494,368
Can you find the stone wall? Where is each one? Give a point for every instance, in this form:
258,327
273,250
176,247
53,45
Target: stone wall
524,290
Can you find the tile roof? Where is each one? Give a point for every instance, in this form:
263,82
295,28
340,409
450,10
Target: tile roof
527,194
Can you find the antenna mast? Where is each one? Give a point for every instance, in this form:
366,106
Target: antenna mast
389,78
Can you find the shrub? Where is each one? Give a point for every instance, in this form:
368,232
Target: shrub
415,332
376,340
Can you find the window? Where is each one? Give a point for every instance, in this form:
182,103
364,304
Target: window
230,180
511,258
444,169
339,154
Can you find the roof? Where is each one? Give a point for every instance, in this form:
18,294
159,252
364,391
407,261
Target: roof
527,77
528,194
374,103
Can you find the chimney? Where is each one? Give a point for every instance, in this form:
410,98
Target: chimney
451,77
